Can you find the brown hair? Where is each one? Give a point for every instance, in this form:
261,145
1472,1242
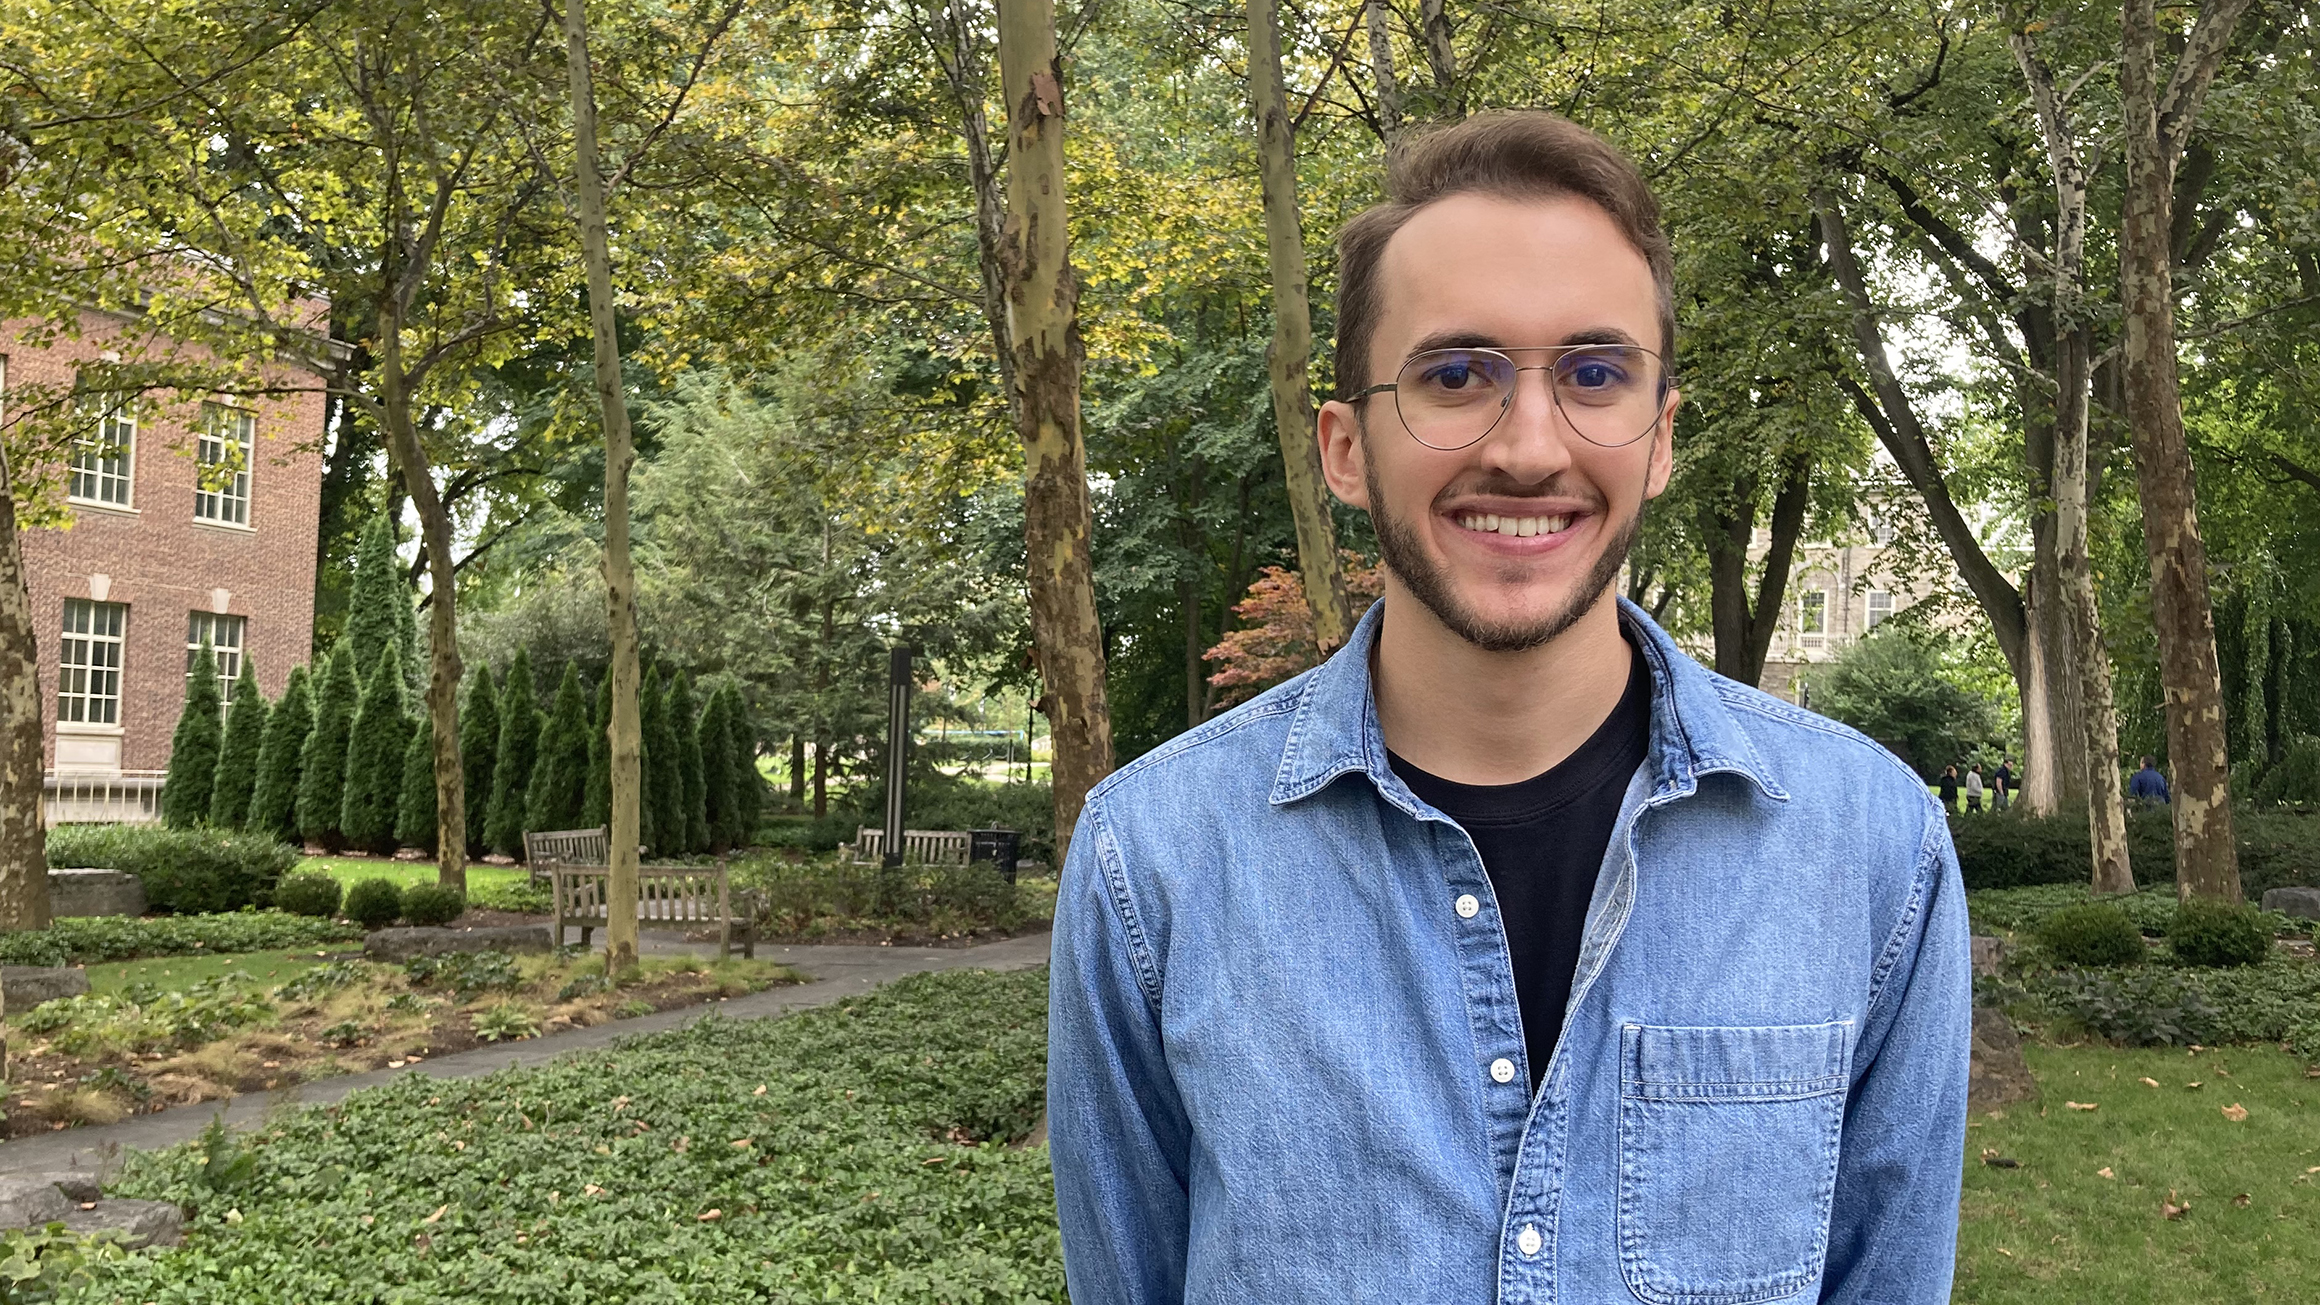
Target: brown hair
1514,154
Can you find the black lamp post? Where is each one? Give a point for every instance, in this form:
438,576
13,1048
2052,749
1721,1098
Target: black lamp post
897,748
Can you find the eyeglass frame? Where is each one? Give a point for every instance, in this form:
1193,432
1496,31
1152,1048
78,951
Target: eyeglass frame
1667,382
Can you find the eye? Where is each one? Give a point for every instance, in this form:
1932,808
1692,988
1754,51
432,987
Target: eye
1451,375
1593,373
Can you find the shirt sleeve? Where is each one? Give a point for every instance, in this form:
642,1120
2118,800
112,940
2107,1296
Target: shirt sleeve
1893,1224
1117,1134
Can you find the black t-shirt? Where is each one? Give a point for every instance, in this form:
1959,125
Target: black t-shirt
1542,842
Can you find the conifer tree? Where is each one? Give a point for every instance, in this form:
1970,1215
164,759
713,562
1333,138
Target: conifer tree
322,765
193,749
415,808
692,793
237,772
374,757
663,795
511,769
597,809
374,594
274,798
478,749
717,794
559,788
748,785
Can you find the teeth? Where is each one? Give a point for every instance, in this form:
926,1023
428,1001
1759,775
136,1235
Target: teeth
1514,527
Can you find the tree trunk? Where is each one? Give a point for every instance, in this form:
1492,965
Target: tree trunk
1289,356
1195,673
1441,60
1381,64
961,55
797,768
620,940
1043,319
2206,859
23,837
1744,628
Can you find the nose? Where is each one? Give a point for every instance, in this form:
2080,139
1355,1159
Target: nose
1532,442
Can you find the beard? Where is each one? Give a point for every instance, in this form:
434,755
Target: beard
1404,555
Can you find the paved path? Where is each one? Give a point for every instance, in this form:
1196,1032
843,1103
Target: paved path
835,972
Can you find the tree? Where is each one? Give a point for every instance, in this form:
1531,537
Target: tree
692,785
2158,120
597,808
193,749
719,795
664,785
274,795
1894,687
559,788
511,767
374,756
749,785
237,771
1043,309
322,763
372,621
1276,640
415,806
478,750
1289,357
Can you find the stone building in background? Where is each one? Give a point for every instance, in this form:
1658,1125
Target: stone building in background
189,519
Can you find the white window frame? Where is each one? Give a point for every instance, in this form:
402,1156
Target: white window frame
1812,616
228,655
1879,610
95,475
228,437
88,682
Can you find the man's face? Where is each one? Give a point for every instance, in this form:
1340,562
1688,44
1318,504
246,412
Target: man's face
1475,270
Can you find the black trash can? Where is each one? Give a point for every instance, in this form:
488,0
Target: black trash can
999,846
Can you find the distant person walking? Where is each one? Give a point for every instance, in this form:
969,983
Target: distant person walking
2002,790
2148,787
1974,787
1949,788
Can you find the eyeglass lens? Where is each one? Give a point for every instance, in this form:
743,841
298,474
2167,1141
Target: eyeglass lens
1609,393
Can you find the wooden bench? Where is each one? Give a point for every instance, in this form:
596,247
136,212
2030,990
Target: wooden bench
666,895
927,846
571,846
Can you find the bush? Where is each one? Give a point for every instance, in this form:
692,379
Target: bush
2219,934
183,870
2097,933
85,940
2179,1005
433,903
1899,688
310,893
374,903
2295,777
464,973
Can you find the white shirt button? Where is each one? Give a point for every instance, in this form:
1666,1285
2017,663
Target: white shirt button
1466,906
1502,1070
1528,1240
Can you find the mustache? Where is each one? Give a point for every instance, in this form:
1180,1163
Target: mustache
1497,484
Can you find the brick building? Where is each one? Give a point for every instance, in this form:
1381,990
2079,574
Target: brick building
189,519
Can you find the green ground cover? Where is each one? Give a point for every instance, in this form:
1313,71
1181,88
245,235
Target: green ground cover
83,940
174,972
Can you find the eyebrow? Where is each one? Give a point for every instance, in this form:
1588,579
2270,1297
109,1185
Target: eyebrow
1466,339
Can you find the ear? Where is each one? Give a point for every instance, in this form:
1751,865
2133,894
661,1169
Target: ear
1663,448
1344,456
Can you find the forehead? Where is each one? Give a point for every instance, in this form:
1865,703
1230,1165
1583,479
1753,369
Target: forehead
1513,272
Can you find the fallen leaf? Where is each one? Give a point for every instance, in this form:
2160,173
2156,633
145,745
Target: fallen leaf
741,1142
709,1216
592,1190
440,1211
760,1091
2235,1112
2195,1085
2241,1200
2104,1172
2083,1105
682,1144
2148,1082
2003,1251
2172,1210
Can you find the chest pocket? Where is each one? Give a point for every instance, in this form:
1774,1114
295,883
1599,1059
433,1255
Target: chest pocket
1728,1159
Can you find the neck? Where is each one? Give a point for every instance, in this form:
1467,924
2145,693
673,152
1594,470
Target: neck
1477,717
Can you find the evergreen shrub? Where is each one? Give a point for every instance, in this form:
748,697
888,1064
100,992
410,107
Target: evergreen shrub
183,870
662,787
478,750
374,903
2096,933
322,764
692,785
2219,934
274,797
415,806
237,768
374,758
559,785
193,748
433,903
511,775
308,893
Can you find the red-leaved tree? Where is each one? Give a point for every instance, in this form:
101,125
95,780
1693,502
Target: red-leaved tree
1275,640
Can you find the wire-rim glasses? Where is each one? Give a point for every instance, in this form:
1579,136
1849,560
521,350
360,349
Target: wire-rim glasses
1611,395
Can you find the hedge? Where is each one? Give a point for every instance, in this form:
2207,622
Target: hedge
87,940
2276,849
183,870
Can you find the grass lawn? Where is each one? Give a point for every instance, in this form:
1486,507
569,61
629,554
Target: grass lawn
350,870
2055,1229
167,972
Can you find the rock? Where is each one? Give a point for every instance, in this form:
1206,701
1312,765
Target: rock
31,1202
1987,953
148,1223
1998,1075
23,987
2303,903
95,892
76,1187
403,944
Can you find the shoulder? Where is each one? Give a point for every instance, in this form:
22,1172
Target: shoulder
1816,758
1237,751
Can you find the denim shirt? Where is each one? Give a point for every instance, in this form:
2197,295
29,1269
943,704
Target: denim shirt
1285,1061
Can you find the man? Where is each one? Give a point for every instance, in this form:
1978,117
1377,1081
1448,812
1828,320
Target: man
2148,786
1508,955
1948,784
2002,791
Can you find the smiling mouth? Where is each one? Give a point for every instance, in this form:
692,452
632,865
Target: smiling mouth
1514,527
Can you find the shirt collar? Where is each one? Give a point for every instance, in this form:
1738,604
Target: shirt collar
1693,733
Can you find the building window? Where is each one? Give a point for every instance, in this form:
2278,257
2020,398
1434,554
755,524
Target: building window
1880,607
225,642
221,487
103,461
88,687
1812,615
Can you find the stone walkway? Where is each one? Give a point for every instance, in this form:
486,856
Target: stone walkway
835,972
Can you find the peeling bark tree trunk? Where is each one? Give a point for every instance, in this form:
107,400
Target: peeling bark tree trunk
619,455
1288,358
23,840
2089,670
961,57
1381,66
1043,323
2156,125
1442,60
